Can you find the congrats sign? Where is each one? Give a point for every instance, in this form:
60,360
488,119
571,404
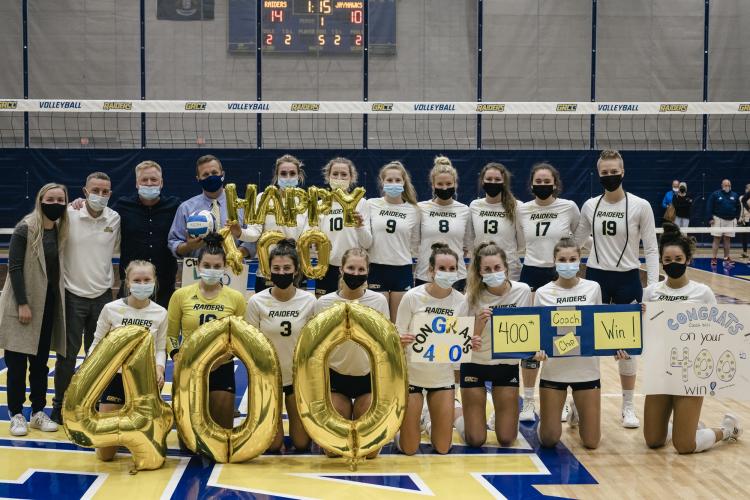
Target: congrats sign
697,350
441,339
566,331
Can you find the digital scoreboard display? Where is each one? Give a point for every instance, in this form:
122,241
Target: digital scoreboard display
312,26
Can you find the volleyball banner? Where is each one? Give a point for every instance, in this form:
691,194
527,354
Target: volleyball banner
566,330
697,350
441,339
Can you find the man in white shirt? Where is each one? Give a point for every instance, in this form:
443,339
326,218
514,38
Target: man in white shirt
93,239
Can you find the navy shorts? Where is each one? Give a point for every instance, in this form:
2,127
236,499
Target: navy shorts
114,394
458,285
351,386
501,375
574,386
537,277
222,379
415,389
288,390
618,287
384,278
329,283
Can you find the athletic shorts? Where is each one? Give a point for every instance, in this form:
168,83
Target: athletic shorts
222,379
475,375
351,386
114,394
618,287
384,278
574,386
288,390
537,277
329,283
415,389
723,227
459,285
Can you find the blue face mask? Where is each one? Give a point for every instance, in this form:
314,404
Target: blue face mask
445,279
292,182
393,190
149,192
494,279
142,291
211,276
212,183
567,270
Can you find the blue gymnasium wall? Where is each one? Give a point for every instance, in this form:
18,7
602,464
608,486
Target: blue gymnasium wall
648,174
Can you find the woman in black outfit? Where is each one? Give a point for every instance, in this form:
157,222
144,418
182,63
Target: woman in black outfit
745,218
683,204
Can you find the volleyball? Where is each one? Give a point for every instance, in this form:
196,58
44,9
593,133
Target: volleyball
199,224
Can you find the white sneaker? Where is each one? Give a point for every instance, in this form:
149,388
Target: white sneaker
565,412
731,424
18,425
41,421
573,415
629,418
527,411
424,420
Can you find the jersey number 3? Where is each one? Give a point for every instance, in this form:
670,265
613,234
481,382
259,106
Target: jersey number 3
286,328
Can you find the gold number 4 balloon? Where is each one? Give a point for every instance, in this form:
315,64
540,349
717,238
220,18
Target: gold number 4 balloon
143,422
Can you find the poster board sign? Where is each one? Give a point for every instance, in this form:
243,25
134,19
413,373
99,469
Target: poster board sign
441,339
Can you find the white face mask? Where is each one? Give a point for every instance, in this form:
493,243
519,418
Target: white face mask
211,276
567,270
149,192
494,279
288,183
97,202
339,184
445,279
141,291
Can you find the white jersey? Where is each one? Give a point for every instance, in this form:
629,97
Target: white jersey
544,226
572,368
449,224
612,235
490,222
343,238
395,232
416,301
118,313
696,293
519,295
281,322
350,358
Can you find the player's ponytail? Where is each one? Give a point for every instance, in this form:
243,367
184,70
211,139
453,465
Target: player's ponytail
213,246
674,237
441,249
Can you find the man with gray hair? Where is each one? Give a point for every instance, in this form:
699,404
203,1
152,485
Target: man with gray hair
722,211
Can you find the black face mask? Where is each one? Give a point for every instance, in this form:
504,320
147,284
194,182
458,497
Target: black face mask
282,281
354,281
542,191
611,182
492,188
675,269
53,211
445,194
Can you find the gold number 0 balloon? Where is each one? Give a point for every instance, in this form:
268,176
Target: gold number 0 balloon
351,439
143,422
322,244
197,429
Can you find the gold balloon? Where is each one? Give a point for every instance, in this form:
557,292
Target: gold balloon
271,204
319,202
143,423
233,254
198,353
247,204
322,244
348,202
263,248
353,439
295,203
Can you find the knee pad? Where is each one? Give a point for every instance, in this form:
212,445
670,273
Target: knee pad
628,367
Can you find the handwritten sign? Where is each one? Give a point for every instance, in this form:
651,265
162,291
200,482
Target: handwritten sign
516,333
697,350
441,339
619,330
190,275
566,343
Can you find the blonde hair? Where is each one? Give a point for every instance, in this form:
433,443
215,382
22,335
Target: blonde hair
474,283
353,252
609,154
507,199
442,165
35,222
410,194
140,263
346,161
146,165
288,159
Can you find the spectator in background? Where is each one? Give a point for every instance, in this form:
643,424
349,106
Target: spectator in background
670,194
683,204
722,212
745,217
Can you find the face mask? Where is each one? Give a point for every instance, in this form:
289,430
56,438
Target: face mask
282,280
492,188
542,191
675,269
339,184
683,190
96,202
494,279
211,276
288,183
567,269
727,190
354,281
53,211
393,190
149,192
675,189
212,183
141,291
445,279
611,182
445,194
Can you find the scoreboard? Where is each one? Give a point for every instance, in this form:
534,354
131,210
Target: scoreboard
312,26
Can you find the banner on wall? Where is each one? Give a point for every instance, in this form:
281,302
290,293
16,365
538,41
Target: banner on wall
185,10
697,350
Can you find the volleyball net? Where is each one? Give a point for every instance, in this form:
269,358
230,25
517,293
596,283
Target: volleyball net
649,126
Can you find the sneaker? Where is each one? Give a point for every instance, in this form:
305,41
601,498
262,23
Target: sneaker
713,263
41,421
56,416
744,255
527,411
728,261
730,424
573,416
18,425
629,418
424,420
565,412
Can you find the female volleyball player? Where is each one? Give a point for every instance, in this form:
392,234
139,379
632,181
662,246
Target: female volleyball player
489,286
676,252
545,220
204,301
581,374
436,297
495,217
351,390
342,174
135,309
617,222
394,220
444,220
280,312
